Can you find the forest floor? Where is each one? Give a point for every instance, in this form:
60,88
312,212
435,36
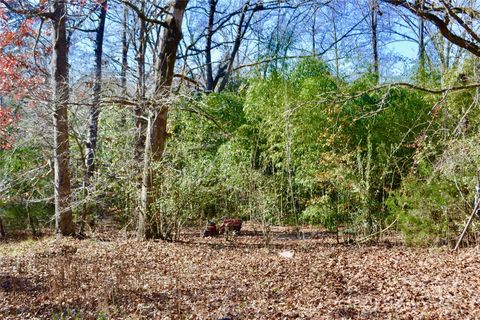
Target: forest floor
204,278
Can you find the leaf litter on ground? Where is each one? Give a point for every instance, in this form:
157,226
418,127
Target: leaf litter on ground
212,278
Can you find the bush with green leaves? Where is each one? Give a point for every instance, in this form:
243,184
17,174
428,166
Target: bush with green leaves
294,145
434,203
26,200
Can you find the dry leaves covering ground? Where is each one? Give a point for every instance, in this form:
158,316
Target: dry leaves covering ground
215,279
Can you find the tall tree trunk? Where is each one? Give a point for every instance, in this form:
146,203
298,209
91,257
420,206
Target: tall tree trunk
421,44
140,121
335,41
314,31
208,45
97,91
226,69
123,74
91,144
157,117
374,25
63,212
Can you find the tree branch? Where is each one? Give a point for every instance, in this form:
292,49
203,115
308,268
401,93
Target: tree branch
33,12
442,24
142,14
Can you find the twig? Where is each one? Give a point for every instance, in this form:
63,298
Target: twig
470,219
378,232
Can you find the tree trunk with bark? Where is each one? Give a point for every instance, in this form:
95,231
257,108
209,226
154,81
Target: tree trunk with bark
374,26
140,122
441,15
158,114
123,74
97,91
226,69
208,45
63,212
91,144
421,45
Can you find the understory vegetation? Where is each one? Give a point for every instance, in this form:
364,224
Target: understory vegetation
359,118
295,147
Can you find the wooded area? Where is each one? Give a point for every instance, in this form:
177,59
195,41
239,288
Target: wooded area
314,142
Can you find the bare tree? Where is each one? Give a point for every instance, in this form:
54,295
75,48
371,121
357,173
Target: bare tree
63,212
60,87
216,47
157,118
91,143
421,43
374,11
226,67
123,74
451,20
140,122
208,45
97,90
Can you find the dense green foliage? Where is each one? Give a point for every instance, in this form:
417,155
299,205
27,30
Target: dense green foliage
295,146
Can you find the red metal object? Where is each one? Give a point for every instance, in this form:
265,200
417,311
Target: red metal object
211,230
231,224
228,224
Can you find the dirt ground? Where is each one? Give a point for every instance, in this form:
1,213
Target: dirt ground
112,277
